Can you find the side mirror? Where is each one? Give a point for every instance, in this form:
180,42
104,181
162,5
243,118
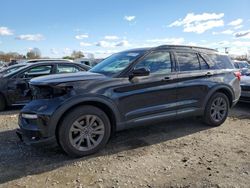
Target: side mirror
139,72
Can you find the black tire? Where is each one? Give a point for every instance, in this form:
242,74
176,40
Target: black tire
66,133
211,116
2,103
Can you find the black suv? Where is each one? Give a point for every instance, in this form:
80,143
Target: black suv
136,87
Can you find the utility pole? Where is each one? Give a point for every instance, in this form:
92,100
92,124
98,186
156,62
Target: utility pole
226,50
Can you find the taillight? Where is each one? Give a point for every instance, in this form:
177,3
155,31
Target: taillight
238,75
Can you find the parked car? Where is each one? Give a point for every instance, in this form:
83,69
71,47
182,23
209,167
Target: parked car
135,87
14,88
244,67
47,60
245,87
12,68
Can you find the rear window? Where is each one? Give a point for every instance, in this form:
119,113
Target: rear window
221,61
188,61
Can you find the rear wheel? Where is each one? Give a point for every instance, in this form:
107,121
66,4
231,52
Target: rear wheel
84,131
2,103
216,111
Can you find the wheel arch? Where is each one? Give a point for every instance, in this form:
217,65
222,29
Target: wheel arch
222,89
107,107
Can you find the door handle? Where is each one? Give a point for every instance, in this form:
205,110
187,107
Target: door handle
209,74
167,78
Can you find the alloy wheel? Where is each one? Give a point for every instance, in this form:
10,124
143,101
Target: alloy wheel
218,109
86,132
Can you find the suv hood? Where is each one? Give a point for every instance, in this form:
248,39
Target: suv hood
56,79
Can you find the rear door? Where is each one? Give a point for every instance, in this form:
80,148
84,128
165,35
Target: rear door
193,82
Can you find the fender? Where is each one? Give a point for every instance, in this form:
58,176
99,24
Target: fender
57,115
216,88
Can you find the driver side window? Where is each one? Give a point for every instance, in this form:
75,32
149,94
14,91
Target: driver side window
37,71
156,63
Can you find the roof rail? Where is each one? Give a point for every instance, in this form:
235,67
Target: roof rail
185,46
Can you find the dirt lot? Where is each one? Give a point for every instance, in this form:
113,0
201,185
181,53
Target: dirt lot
182,153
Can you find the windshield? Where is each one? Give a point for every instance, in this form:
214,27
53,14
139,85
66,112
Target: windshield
11,69
116,63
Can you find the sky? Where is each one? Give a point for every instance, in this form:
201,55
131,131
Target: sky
103,27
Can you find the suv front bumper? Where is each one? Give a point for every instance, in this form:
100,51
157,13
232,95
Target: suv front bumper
35,125
34,131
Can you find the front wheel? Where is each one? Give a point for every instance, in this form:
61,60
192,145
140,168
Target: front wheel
216,111
84,131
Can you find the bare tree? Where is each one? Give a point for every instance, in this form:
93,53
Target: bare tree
77,54
34,53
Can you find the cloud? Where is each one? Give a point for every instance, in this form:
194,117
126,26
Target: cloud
5,31
225,32
243,34
129,18
238,47
85,44
199,23
83,36
67,51
31,37
238,27
236,22
122,43
106,44
111,37
166,41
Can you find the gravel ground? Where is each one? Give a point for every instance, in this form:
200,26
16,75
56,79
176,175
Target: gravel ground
183,153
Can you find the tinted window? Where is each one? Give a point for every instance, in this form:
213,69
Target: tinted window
156,62
221,61
37,71
203,63
188,61
40,70
67,69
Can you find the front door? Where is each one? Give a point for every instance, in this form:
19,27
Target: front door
18,87
152,96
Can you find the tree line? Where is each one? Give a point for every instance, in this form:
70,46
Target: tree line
34,53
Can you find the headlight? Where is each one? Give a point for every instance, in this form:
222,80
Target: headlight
29,116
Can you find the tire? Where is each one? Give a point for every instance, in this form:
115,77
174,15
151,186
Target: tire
216,110
84,131
2,103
